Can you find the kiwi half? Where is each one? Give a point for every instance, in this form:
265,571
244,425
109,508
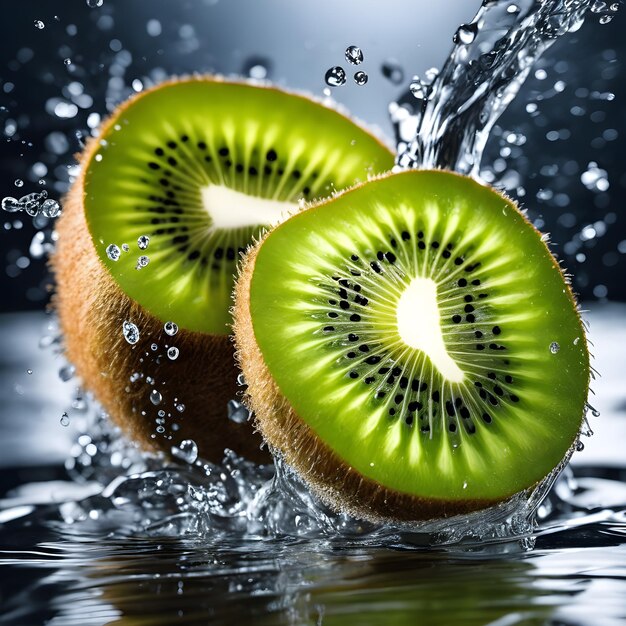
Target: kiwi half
176,185
412,348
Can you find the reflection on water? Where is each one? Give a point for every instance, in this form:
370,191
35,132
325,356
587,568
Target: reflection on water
67,575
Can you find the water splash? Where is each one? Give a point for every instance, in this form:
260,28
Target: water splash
449,124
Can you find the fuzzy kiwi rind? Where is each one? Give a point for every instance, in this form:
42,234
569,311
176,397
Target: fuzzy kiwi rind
92,307
334,479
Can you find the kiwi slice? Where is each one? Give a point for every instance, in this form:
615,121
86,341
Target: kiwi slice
412,348
176,185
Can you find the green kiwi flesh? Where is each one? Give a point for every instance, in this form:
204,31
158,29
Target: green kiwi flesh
412,348
200,166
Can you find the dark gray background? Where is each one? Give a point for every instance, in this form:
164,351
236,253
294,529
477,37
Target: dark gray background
298,41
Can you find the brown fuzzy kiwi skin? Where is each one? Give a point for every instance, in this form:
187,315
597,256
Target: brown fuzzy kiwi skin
92,308
335,482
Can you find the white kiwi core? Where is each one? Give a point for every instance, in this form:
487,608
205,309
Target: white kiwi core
233,209
420,328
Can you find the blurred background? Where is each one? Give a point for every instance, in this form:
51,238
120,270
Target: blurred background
65,64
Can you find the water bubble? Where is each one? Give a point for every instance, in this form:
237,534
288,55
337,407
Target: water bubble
65,419
392,71
335,76
155,397
354,55
554,347
11,205
50,208
142,261
39,24
19,182
130,332
237,412
113,252
170,328
465,34
361,78
92,4
186,451
172,353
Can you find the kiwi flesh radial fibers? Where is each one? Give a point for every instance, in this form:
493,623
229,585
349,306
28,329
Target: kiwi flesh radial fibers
398,344
195,169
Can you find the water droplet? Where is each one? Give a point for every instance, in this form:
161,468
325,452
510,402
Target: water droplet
257,67
50,208
605,19
155,397
19,182
29,372
335,76
186,451
580,446
170,328
554,347
92,4
614,7
142,261
131,332
595,178
39,24
113,252
125,247
154,347
143,242
417,88
512,8
172,353
598,6
241,381
160,429
465,34
65,419
392,71
361,78
67,372
67,61
354,55
11,205
237,412
180,408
